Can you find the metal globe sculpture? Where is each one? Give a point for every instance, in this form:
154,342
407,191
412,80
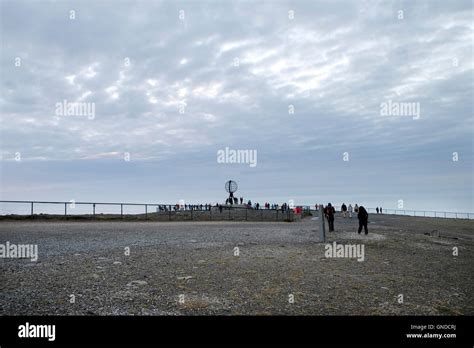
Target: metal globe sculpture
231,187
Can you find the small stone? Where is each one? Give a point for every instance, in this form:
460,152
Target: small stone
185,278
137,282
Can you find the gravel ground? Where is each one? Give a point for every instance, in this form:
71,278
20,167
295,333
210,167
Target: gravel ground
187,268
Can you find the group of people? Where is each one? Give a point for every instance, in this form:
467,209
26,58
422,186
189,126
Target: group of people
234,200
362,215
179,206
256,206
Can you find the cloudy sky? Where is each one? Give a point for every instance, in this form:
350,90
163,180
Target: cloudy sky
302,83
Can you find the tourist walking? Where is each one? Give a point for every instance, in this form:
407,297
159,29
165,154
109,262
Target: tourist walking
329,212
363,217
350,209
344,209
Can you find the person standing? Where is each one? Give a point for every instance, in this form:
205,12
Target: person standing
344,209
377,210
380,210
329,212
350,209
356,208
363,217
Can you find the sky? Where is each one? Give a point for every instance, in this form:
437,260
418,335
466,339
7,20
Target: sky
132,101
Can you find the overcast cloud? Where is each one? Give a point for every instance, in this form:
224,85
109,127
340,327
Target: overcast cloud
170,92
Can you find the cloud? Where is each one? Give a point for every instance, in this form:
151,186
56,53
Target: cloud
161,83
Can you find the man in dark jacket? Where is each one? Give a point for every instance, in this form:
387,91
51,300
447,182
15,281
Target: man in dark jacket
363,217
344,209
329,212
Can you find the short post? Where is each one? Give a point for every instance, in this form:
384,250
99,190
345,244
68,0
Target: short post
276,214
246,212
146,211
322,228
191,214
169,214
65,209
93,209
210,213
121,210
31,208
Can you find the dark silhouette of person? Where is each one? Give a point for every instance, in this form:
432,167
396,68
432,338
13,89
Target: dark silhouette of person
377,209
380,210
363,217
329,212
344,209
241,200
220,208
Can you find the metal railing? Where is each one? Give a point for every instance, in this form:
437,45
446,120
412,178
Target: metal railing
196,208
411,212
162,212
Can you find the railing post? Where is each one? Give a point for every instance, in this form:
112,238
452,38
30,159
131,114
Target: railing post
246,211
192,215
322,228
276,214
31,208
146,211
93,209
65,209
169,214
121,210
210,213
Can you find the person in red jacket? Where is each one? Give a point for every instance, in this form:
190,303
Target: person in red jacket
329,212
